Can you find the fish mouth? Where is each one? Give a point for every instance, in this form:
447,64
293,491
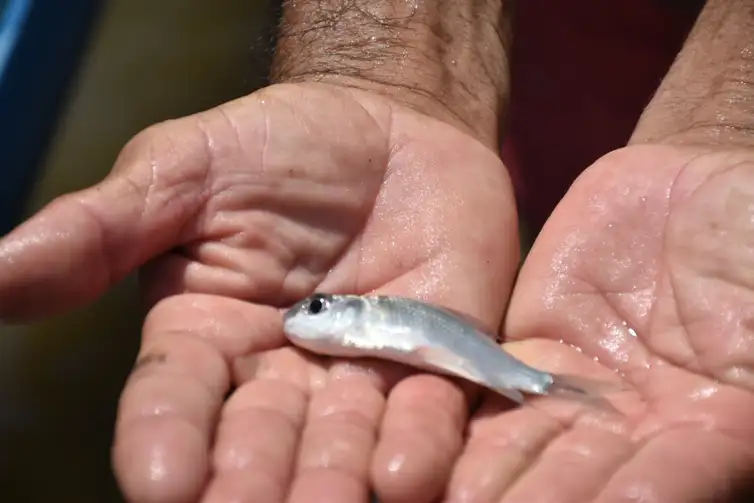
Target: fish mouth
292,317
289,323
294,309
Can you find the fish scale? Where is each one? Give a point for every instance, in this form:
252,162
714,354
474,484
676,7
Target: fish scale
426,337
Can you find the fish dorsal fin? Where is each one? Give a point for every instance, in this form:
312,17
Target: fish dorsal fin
471,320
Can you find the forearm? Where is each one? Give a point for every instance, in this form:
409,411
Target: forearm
708,94
445,58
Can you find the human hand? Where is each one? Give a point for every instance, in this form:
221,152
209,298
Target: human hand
644,266
246,208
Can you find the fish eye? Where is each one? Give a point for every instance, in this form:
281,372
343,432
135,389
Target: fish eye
317,305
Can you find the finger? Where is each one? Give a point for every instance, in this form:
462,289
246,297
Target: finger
261,424
170,403
420,437
341,432
511,452
502,443
82,243
707,95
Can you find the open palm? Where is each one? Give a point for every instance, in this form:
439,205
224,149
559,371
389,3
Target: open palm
645,267
242,210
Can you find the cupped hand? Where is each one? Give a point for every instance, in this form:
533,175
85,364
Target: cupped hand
644,267
644,273
244,209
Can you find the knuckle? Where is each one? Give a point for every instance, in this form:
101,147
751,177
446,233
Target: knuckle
279,397
189,358
167,396
346,420
140,148
165,308
175,313
239,445
351,403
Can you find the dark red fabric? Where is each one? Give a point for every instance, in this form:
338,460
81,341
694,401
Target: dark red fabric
582,72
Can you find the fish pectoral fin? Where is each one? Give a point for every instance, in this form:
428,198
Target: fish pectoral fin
446,362
452,364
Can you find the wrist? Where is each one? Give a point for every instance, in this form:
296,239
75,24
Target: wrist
444,59
707,94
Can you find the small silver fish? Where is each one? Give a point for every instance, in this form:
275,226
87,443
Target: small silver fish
424,336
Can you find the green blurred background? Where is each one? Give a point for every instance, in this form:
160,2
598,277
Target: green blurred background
145,62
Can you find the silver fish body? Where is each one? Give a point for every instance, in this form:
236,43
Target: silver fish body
417,334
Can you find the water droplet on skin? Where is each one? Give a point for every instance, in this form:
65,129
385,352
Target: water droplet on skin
396,463
703,392
561,341
630,330
641,492
596,358
157,468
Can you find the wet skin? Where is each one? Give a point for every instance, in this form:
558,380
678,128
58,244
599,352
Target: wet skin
245,209
236,212
660,254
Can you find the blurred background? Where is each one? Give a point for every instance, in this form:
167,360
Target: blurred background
77,80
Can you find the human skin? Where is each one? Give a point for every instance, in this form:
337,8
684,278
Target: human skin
655,235
645,265
343,176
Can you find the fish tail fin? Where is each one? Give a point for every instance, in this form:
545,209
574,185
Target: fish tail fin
584,389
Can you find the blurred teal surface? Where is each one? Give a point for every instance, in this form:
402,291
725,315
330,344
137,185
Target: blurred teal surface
60,380
12,15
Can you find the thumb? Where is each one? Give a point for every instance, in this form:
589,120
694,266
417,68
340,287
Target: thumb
82,243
